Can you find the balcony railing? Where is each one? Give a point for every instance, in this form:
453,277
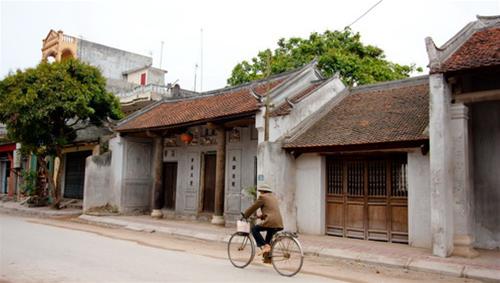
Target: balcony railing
68,39
149,92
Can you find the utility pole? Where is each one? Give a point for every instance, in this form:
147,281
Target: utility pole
201,60
268,100
195,71
161,54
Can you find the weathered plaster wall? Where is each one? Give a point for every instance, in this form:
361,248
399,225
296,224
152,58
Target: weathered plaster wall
419,200
486,156
310,193
97,191
278,170
111,61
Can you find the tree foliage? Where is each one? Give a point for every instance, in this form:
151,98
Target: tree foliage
44,107
336,51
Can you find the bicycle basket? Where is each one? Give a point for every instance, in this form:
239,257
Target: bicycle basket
243,226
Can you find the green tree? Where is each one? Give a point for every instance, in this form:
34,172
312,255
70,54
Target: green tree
44,108
336,51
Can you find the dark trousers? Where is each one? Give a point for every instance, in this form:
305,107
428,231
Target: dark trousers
258,236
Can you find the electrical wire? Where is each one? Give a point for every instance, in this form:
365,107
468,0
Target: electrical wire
359,18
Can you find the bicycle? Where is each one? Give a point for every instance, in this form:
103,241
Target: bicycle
287,256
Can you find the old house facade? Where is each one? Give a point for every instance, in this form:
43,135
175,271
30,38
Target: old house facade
411,161
360,165
197,157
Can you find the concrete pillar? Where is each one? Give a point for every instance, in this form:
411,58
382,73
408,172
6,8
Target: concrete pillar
220,165
441,166
462,182
157,177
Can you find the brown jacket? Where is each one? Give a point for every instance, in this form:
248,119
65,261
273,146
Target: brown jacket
269,207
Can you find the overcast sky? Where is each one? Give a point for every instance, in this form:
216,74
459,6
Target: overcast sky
232,30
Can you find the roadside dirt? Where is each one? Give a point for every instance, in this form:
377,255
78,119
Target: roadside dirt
332,268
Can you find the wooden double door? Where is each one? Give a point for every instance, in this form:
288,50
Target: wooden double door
367,197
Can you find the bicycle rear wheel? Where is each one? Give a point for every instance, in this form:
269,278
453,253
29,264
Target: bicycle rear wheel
240,250
287,255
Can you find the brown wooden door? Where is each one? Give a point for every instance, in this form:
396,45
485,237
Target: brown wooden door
209,183
366,198
169,183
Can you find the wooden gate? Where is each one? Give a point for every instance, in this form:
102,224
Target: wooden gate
366,198
209,183
169,184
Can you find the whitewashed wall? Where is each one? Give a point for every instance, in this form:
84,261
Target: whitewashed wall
419,200
310,193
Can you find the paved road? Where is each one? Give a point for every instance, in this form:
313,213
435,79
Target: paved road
31,252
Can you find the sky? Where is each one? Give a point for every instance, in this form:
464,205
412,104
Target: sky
233,30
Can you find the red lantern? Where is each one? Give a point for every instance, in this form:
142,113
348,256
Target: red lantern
186,137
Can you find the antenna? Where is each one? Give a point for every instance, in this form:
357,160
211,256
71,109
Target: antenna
161,54
195,69
201,59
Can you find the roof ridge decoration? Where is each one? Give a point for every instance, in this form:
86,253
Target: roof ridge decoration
249,84
438,55
302,71
315,85
391,84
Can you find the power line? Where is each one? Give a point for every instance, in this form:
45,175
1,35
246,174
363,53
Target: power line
359,18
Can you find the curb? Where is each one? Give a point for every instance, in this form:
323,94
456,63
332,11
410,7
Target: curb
151,228
415,264
37,213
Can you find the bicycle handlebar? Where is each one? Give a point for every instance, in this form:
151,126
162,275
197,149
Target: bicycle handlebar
262,217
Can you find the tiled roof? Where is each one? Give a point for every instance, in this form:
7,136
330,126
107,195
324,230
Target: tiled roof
482,49
285,107
212,105
383,113
262,88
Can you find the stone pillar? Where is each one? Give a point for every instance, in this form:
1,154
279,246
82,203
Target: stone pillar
462,182
441,166
218,217
158,177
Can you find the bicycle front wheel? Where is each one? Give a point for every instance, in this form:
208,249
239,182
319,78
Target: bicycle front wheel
287,256
240,250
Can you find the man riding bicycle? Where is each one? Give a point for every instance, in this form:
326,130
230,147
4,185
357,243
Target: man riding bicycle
271,216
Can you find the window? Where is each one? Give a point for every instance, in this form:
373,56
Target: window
143,79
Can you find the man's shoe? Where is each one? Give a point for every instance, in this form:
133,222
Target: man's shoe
264,249
266,258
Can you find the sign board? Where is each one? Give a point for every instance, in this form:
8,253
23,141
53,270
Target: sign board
17,156
260,177
17,159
